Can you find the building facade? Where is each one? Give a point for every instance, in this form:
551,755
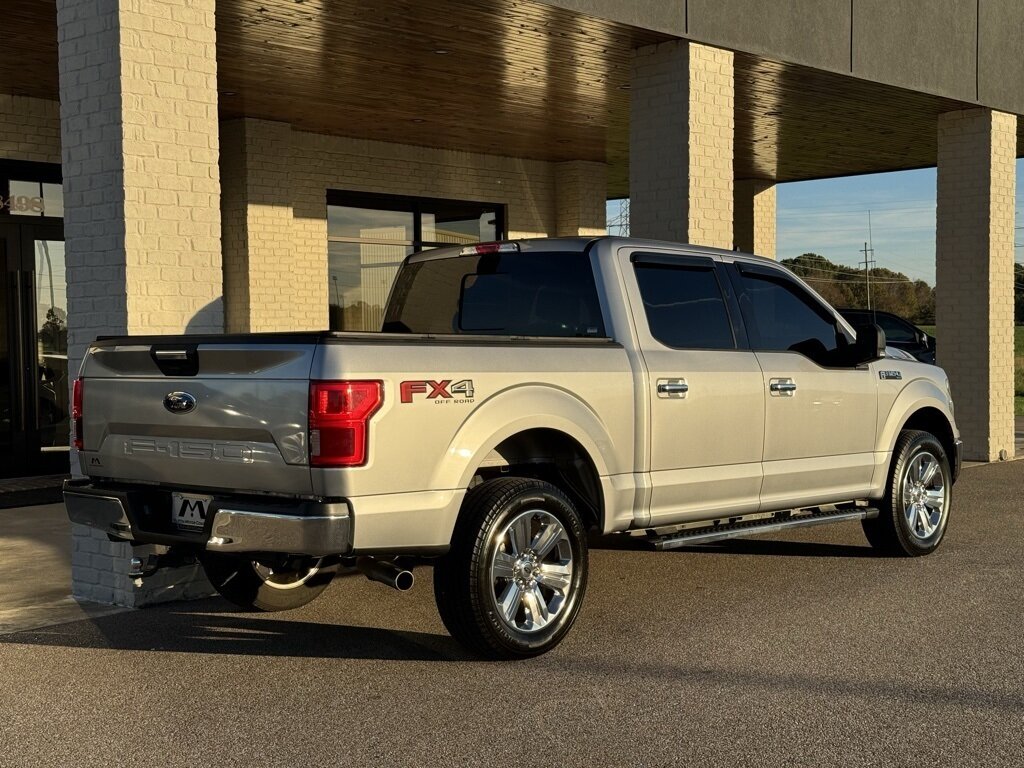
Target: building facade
231,165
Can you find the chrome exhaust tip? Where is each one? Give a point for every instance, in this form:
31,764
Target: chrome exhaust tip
386,572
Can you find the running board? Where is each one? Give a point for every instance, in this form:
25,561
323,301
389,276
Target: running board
781,521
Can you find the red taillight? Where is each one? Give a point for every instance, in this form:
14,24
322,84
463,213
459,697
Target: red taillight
339,417
76,413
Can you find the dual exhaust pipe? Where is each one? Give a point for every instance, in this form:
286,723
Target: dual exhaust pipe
386,572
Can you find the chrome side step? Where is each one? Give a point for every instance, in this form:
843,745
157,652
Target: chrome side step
780,521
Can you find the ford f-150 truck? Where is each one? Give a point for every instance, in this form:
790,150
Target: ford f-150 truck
518,395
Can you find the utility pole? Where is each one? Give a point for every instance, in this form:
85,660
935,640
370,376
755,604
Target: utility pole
869,262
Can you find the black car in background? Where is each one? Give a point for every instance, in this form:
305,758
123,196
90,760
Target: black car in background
899,333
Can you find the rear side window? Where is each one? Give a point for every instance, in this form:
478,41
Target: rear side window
782,317
684,306
506,294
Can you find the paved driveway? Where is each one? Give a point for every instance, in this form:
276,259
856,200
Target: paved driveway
801,650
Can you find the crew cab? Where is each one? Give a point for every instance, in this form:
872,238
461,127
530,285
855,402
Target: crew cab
518,396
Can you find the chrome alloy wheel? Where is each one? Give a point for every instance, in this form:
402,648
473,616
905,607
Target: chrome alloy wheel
287,578
925,495
531,571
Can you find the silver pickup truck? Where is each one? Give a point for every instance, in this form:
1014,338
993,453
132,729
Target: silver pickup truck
518,396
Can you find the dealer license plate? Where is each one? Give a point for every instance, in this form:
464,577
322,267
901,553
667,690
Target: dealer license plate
190,510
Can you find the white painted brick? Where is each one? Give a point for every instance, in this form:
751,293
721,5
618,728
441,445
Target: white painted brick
29,129
754,210
142,209
974,274
681,144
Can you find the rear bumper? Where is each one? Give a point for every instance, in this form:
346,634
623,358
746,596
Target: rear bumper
233,524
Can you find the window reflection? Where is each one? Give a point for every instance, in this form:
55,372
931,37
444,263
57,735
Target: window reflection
52,345
369,236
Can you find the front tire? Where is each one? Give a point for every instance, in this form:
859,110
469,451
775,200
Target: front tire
914,514
268,583
513,581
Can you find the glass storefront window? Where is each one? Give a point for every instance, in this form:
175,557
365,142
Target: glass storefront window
369,235
52,345
360,277
345,221
33,198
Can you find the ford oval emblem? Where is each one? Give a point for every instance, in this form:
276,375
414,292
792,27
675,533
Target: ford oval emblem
179,402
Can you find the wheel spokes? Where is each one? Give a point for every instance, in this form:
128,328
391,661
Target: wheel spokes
922,519
519,534
546,539
531,570
927,470
556,577
503,565
510,601
536,607
924,495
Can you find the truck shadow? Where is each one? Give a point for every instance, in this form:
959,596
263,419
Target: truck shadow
209,627
763,547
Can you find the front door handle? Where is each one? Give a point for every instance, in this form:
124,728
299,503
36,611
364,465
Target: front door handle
782,387
673,388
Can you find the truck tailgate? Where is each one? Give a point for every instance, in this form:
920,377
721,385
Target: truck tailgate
224,413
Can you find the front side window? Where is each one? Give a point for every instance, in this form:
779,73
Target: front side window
684,306
782,317
895,329
506,294
369,235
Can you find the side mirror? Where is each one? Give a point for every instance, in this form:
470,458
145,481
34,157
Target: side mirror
870,344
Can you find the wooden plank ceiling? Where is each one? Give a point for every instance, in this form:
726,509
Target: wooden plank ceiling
511,77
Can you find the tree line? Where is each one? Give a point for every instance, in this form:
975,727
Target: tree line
843,286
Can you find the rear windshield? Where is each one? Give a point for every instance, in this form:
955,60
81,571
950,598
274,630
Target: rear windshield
506,294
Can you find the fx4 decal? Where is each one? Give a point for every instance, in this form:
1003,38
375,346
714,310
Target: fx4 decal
439,391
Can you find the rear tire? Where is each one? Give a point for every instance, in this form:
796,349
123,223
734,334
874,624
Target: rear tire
513,581
268,583
914,514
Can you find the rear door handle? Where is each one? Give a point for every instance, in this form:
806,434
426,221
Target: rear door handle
782,387
672,388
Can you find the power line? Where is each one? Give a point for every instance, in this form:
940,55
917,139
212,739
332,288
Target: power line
850,282
845,271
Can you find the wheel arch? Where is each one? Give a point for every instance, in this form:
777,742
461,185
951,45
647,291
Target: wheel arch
932,420
552,455
540,430
922,404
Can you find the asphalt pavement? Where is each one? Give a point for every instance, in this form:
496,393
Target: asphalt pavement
35,579
803,649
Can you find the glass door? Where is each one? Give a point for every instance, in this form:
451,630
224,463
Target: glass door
34,376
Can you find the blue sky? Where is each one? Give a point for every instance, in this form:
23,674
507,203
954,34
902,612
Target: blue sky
830,217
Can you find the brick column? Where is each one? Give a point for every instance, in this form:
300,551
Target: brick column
681,144
974,274
138,90
581,194
266,287
754,209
